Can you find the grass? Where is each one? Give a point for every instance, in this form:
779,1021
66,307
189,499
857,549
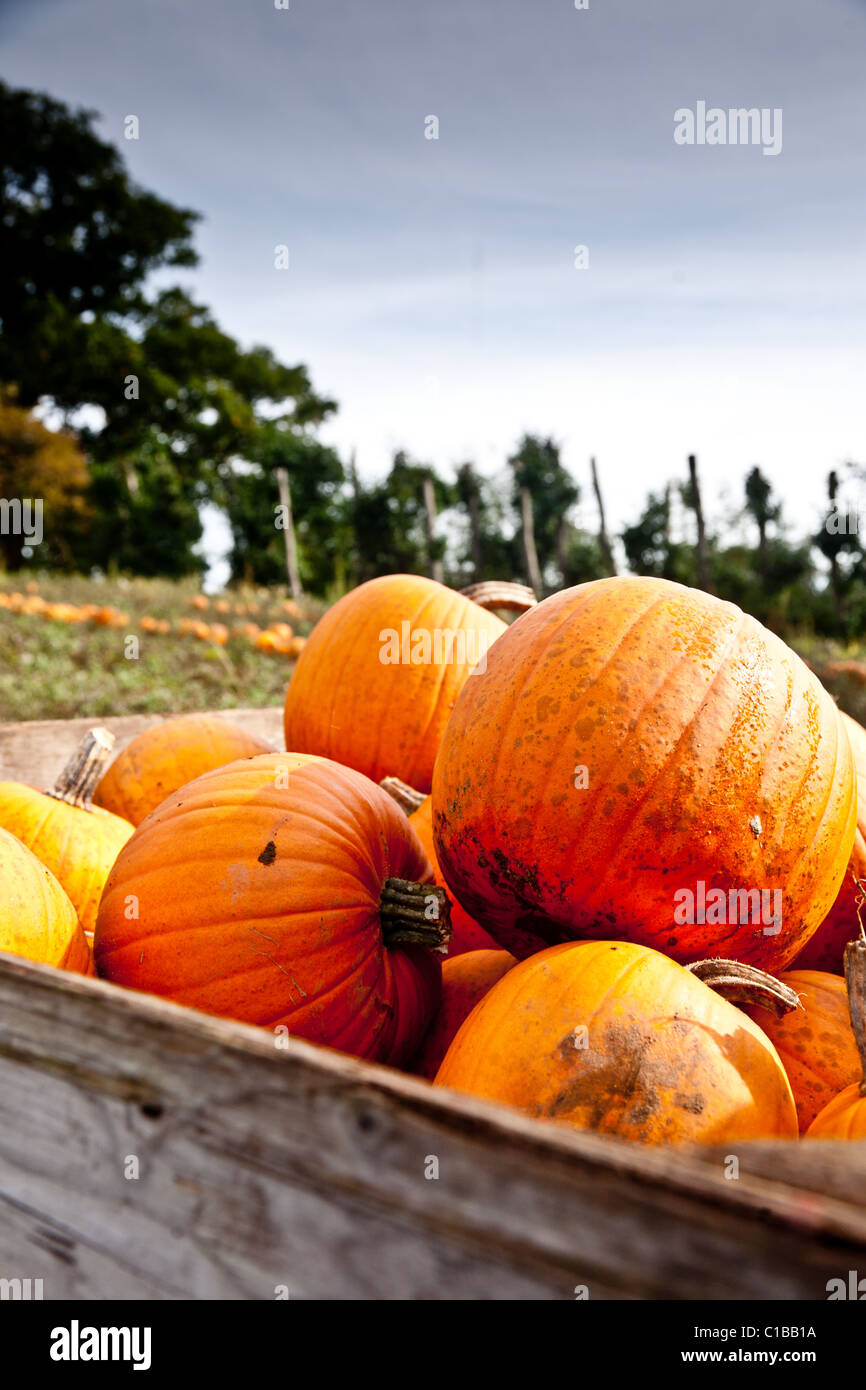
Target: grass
51,670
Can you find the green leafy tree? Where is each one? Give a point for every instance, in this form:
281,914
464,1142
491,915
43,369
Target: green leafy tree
539,472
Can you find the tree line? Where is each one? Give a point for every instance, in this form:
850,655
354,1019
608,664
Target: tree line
161,411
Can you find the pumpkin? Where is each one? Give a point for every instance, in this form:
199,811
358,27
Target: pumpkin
826,949
380,672
158,761
844,1117
816,1042
466,934
77,841
465,980
37,920
282,890
615,1037
642,761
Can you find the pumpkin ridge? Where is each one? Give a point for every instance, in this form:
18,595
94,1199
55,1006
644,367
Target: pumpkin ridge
442,674
634,810
797,870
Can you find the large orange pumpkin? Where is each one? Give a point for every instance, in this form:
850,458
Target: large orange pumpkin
815,1042
844,1117
274,891
380,673
161,759
615,1037
465,981
78,842
826,949
37,920
642,761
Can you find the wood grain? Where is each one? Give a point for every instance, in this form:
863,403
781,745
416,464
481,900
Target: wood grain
36,751
262,1167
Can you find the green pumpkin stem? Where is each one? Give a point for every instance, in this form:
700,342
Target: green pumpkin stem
406,797
417,914
744,984
500,594
78,780
855,978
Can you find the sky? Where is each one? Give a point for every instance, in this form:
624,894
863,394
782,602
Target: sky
432,287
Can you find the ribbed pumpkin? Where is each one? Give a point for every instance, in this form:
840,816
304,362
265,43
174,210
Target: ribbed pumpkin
465,981
161,759
380,673
632,748
815,1042
826,949
37,920
844,1117
279,890
77,841
614,1037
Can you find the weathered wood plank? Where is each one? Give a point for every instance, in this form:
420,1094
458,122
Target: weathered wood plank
261,1167
35,752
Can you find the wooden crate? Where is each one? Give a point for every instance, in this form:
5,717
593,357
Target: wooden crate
265,1170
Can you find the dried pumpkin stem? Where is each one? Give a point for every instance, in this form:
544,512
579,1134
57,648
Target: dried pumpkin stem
496,593
77,782
406,797
855,978
744,984
415,914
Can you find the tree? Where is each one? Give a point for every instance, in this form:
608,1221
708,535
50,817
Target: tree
544,494
649,548
44,466
77,240
487,552
761,508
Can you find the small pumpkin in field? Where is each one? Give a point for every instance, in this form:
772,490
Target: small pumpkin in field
815,1042
465,981
826,949
159,760
77,841
379,675
37,920
282,890
617,1038
844,1117
643,761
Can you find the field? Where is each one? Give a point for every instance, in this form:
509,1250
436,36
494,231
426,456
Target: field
54,668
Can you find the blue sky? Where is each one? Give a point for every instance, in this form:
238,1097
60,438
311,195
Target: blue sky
432,286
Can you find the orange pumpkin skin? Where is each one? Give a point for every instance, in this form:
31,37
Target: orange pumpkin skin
78,846
843,1118
466,934
465,981
37,920
158,761
816,1043
825,950
380,716
663,1058
630,740
260,901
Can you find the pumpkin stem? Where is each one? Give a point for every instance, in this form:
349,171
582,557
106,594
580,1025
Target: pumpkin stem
744,984
77,782
855,978
496,593
415,914
406,797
